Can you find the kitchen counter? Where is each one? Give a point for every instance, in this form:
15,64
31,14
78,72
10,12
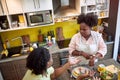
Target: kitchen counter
53,49
19,62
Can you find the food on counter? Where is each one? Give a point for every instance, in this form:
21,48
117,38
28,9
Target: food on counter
106,75
79,70
112,68
101,68
31,49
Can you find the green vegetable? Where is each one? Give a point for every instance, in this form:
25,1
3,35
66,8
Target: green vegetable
106,75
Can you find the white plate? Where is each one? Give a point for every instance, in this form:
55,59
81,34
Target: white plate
79,70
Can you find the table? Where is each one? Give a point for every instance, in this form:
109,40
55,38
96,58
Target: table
67,75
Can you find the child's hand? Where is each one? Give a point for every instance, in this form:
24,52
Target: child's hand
73,60
91,73
96,78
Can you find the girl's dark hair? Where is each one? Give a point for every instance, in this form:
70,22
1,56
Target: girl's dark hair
90,19
37,60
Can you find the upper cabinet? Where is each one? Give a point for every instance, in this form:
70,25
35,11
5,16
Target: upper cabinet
21,14
14,6
3,8
36,5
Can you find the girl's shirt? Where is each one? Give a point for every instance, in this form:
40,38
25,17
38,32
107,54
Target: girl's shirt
30,76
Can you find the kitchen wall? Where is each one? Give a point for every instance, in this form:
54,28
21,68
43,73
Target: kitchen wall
69,29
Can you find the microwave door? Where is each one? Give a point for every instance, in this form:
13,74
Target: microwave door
36,19
47,17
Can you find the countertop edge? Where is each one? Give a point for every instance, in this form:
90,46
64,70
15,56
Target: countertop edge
52,52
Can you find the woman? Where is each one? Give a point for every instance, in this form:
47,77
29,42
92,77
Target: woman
87,44
39,64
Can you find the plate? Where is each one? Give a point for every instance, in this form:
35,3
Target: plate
80,70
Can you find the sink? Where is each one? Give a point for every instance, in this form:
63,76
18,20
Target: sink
14,50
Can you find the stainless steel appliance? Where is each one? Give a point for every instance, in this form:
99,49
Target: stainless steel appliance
63,8
38,18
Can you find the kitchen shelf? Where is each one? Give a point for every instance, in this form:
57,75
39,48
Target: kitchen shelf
93,6
14,18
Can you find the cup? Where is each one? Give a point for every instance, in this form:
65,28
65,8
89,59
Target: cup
53,40
109,38
101,68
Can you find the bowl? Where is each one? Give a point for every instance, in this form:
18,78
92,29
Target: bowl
106,75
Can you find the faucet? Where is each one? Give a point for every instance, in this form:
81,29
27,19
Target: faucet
21,41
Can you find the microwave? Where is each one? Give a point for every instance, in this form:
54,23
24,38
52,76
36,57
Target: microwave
38,18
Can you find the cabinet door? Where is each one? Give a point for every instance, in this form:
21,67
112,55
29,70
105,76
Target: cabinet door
8,71
36,5
1,8
14,6
56,60
28,5
20,67
45,4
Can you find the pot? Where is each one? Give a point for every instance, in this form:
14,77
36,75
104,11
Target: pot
4,25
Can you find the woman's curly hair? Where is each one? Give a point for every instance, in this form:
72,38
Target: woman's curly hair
37,60
90,19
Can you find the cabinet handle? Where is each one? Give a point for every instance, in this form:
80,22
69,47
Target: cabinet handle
6,6
38,3
1,7
34,4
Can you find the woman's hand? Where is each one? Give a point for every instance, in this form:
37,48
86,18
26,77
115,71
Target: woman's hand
86,75
87,56
96,78
91,73
92,61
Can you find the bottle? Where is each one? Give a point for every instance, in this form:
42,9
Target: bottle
91,62
53,37
49,41
49,38
53,40
40,36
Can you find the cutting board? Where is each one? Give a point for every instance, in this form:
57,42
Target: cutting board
59,34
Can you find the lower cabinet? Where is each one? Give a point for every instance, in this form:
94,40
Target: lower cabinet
60,58
13,70
20,67
109,51
56,60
